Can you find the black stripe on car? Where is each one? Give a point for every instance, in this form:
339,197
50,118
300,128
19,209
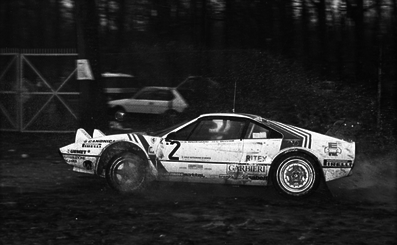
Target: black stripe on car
306,137
160,167
142,141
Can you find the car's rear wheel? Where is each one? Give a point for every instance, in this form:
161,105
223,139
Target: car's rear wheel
296,176
126,172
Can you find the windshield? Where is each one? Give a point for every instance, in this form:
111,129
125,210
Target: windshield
162,132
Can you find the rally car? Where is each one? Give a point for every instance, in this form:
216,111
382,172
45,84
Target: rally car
221,148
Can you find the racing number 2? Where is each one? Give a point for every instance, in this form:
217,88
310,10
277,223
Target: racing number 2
171,155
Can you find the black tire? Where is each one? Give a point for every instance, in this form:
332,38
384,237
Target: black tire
126,172
296,175
119,114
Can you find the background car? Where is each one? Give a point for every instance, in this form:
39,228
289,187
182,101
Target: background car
218,148
150,100
119,85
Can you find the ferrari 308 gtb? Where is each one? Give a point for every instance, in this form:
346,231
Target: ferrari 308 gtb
219,148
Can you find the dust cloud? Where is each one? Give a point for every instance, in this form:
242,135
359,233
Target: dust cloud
373,180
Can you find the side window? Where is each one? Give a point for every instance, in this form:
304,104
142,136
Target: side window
163,95
157,94
145,95
256,131
217,129
203,130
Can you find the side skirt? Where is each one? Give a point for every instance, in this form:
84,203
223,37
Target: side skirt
170,177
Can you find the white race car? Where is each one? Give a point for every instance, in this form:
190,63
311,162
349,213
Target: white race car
221,148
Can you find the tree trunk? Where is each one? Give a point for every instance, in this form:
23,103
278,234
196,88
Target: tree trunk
92,105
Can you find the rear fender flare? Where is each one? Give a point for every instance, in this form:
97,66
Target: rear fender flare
116,148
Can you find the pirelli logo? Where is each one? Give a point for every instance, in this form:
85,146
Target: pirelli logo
328,163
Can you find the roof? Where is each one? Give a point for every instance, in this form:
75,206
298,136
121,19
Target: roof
241,115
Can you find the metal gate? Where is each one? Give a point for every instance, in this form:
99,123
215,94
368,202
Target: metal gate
38,90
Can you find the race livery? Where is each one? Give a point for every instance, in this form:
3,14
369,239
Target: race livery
218,148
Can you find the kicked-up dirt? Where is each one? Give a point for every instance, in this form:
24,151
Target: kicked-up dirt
44,202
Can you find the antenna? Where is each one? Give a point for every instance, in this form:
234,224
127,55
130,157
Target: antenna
234,97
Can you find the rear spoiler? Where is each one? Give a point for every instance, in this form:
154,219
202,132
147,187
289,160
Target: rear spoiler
82,135
345,129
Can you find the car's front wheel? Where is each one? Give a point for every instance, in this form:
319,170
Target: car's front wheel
296,176
126,172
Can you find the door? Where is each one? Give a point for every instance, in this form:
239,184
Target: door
203,149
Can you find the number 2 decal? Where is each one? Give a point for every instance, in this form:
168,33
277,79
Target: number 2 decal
171,155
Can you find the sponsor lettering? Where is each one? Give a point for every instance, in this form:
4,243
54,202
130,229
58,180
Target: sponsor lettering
90,145
338,163
257,177
255,158
151,150
78,151
76,157
195,166
193,175
99,141
195,158
250,177
246,168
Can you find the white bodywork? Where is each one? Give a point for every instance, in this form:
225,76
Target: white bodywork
235,161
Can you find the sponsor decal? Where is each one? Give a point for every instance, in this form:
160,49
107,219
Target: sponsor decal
246,176
99,141
195,166
91,145
151,150
257,177
332,149
69,161
330,163
246,168
79,151
195,158
255,158
75,157
225,176
174,174
193,175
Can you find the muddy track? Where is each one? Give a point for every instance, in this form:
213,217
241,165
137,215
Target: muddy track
44,202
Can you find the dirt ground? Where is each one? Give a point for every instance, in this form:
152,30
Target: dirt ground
44,202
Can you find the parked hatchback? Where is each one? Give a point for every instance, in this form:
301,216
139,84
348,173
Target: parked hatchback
149,100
